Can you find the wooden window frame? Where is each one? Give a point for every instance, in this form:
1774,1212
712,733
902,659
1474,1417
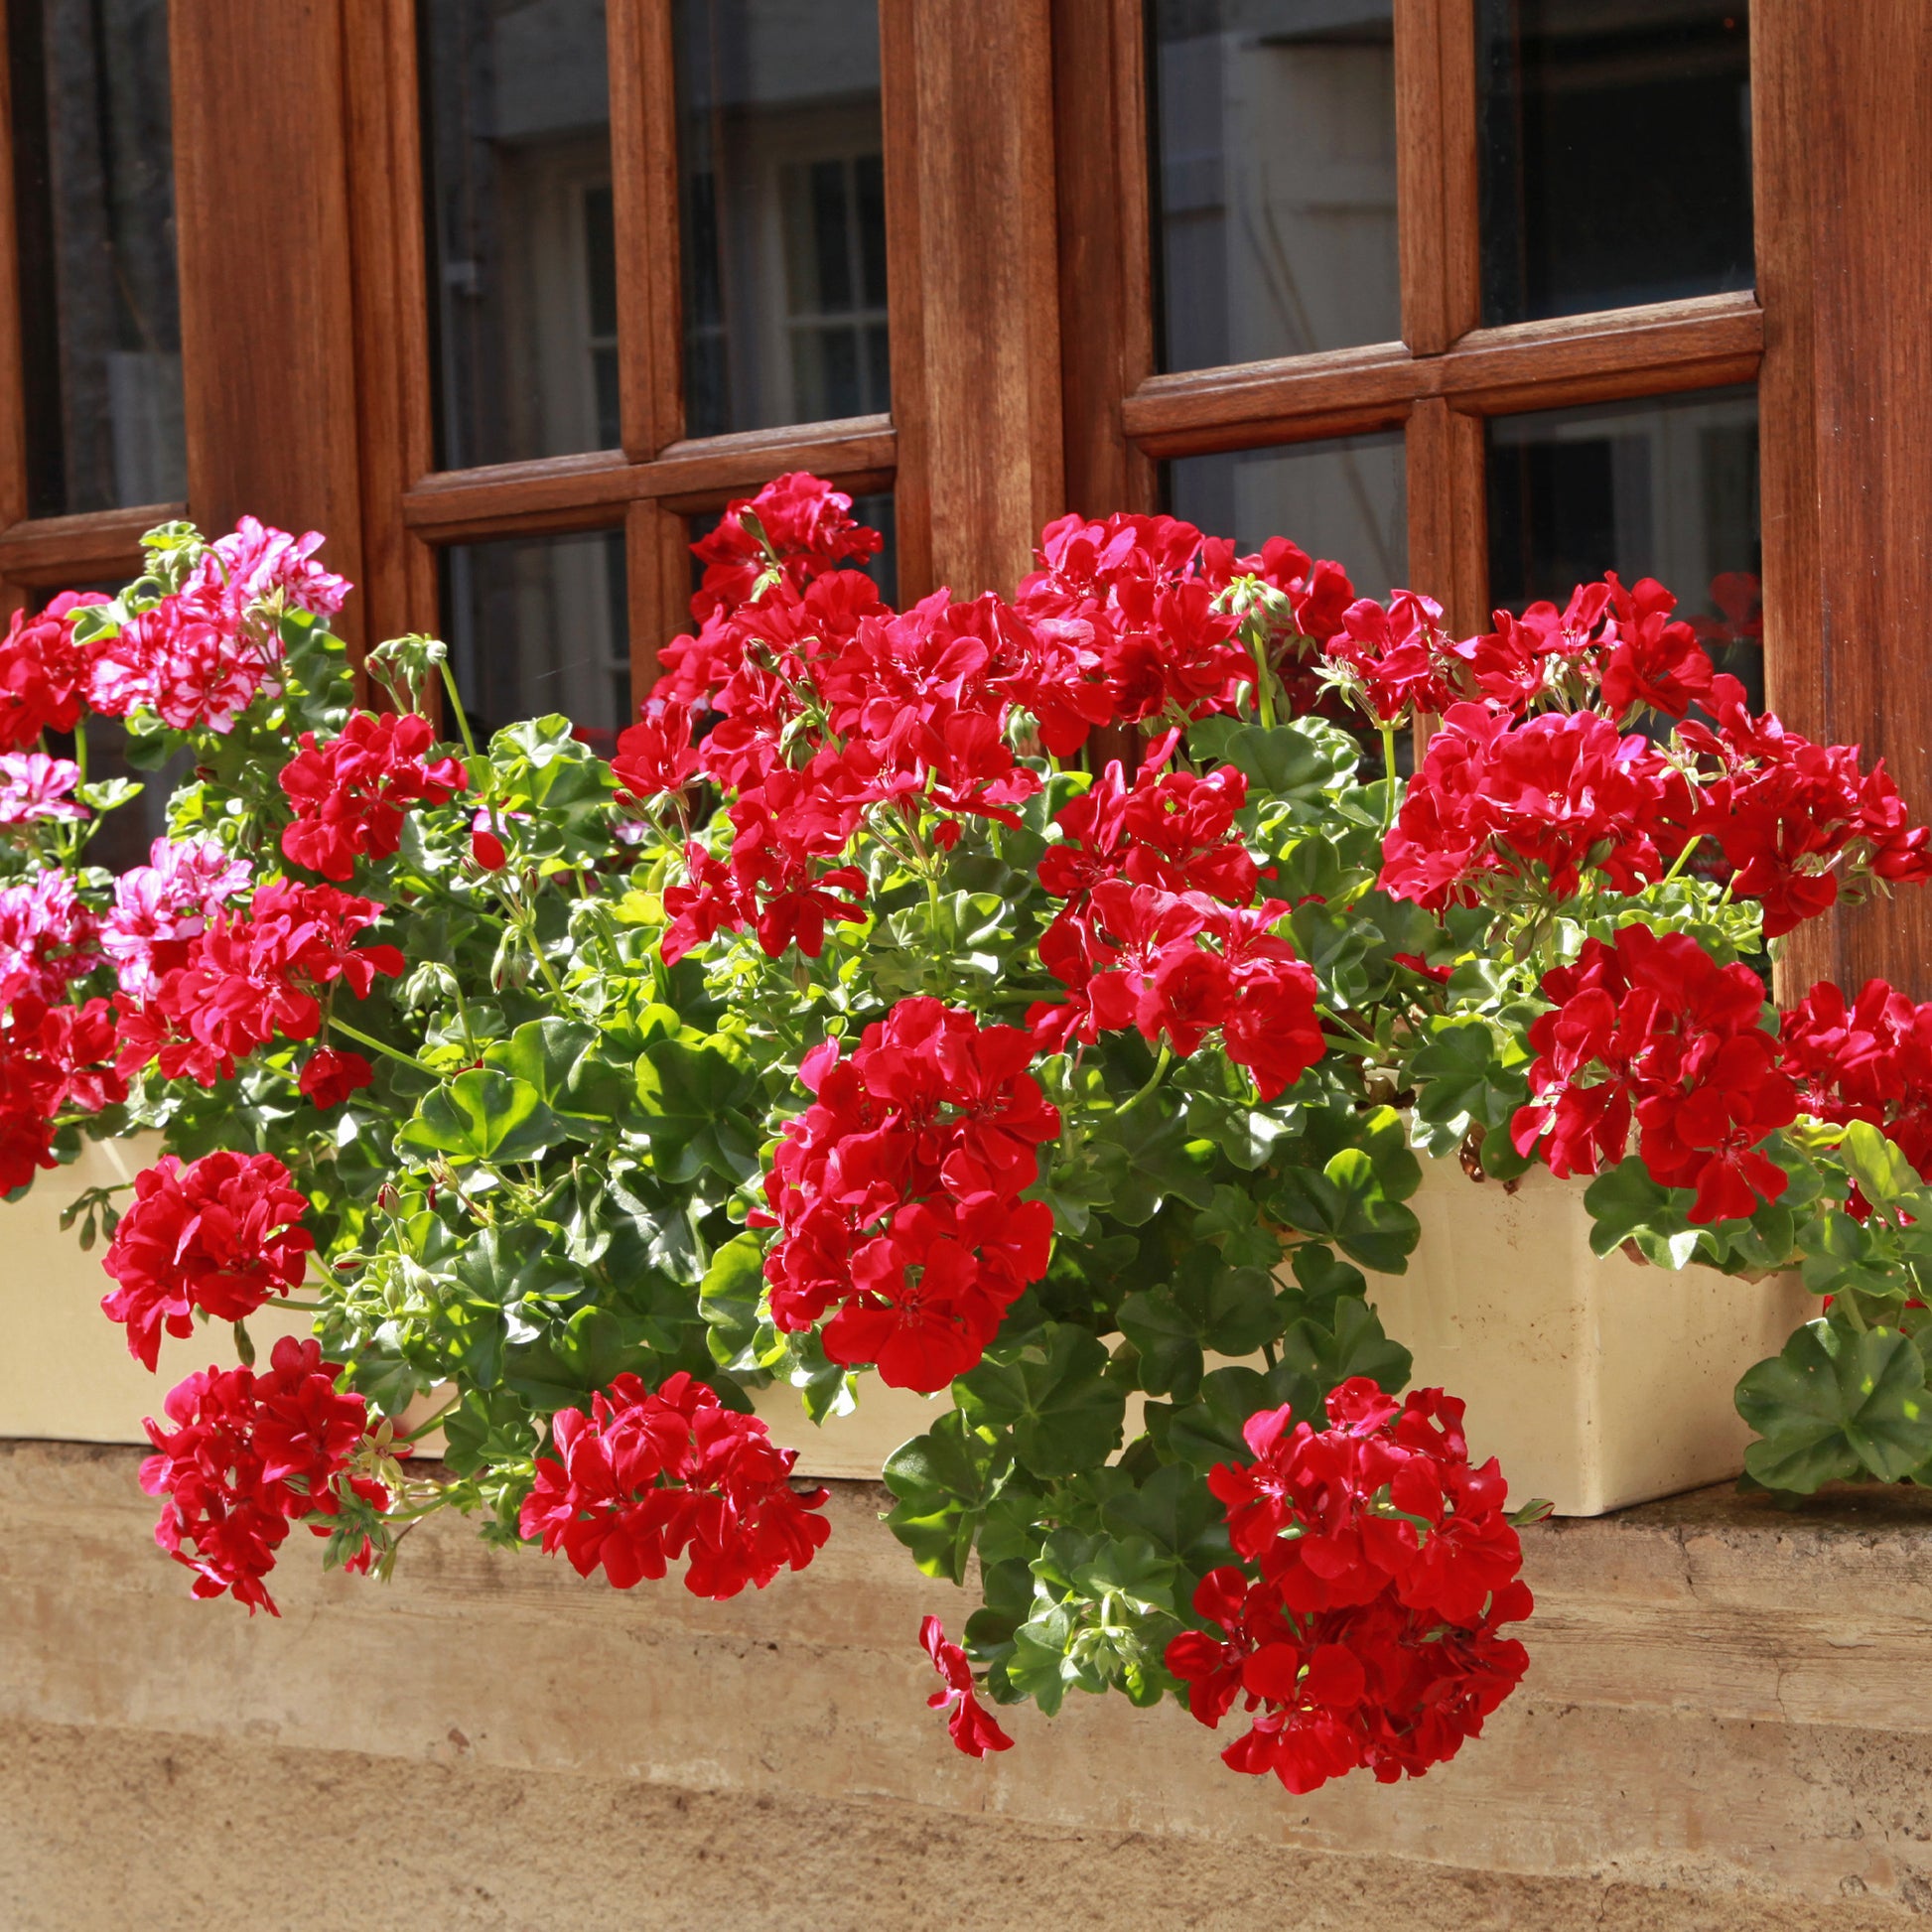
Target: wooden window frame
1437,385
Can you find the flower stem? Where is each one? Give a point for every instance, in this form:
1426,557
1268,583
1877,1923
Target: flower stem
456,705
1388,774
1154,1079
368,1039
422,1429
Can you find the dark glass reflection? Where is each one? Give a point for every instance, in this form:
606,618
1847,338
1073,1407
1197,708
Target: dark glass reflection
876,513
1616,153
1273,176
94,201
1345,499
541,624
783,211
1666,487
522,258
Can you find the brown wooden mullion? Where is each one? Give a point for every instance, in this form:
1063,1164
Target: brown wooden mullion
1699,342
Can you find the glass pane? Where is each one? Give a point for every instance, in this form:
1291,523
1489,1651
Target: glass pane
100,314
875,512
540,625
782,206
1345,499
1274,178
516,155
1666,487
1616,153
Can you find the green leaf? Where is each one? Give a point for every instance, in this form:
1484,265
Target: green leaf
1459,1078
1836,1403
1626,1205
1878,1165
1208,1431
1345,1202
482,1115
944,1480
1351,1344
1177,1514
1207,1306
730,1296
691,1093
1052,1397
557,1059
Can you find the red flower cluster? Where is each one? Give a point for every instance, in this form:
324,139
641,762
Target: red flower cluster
349,794
1544,799
1653,1029
1170,829
254,978
805,526
1797,822
329,1076
1393,662
221,1235
249,1456
1870,1059
1178,966
52,1060
970,1723
1386,1568
44,672
645,1477
896,1194
1610,644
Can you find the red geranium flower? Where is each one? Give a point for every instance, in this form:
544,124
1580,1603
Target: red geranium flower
646,1477
220,1235
350,793
971,1725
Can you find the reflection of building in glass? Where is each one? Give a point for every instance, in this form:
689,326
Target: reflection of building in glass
782,209
1275,178
523,264
1343,500
94,191
1615,142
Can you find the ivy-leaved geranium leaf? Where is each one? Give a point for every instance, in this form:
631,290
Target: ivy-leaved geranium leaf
1177,1513
1170,1350
515,1263
730,1295
690,1093
1459,1078
567,1362
545,1053
1052,1398
1878,1165
943,1481
1345,1202
1834,1403
484,1430
1207,1306
1207,1430
1349,1342
1626,1205
1322,1279
1233,1225
1131,1569
1147,1154
482,1115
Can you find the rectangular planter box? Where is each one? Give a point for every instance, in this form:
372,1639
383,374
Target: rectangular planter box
1598,1383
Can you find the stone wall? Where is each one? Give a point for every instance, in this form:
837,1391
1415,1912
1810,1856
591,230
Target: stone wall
1724,1726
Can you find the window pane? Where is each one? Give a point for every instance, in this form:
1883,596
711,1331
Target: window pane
1666,487
1273,176
100,315
782,207
540,625
1616,153
1343,500
516,151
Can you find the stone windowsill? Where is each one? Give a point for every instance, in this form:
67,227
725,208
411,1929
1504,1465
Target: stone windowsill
1725,1723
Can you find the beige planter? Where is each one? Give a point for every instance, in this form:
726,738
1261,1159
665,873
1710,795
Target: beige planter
1598,1383
65,1370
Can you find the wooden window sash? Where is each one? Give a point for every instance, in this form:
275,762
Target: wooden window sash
1436,384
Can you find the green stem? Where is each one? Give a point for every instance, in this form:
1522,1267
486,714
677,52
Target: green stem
456,705
1264,678
422,1429
1154,1079
1388,773
81,747
1682,858
370,1040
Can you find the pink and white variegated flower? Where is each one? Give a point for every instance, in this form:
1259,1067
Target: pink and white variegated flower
162,905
